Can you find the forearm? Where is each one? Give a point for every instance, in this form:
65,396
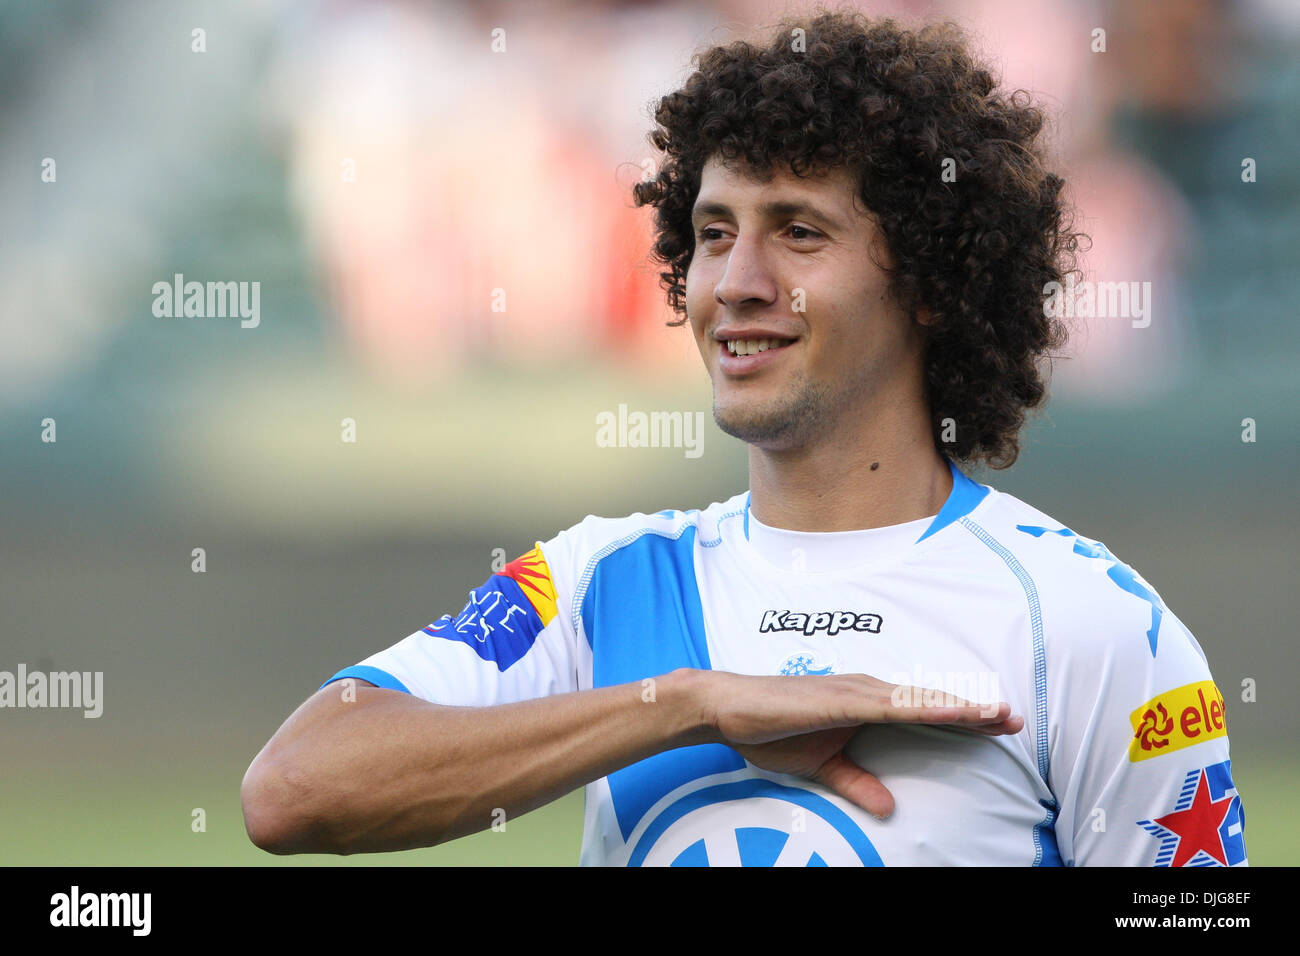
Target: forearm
389,771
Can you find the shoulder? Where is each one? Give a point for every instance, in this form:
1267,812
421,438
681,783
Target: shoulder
643,551
596,536
574,554
1091,601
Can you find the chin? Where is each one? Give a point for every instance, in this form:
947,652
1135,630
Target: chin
774,424
770,430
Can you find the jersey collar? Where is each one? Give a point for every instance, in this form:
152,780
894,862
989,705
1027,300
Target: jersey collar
830,551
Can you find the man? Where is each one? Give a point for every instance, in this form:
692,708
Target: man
867,320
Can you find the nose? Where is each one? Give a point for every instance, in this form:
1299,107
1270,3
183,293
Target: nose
746,280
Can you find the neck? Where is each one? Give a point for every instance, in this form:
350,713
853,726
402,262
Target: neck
870,473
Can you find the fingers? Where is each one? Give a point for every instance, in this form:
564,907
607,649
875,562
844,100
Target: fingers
854,784
1012,725
850,781
925,705
974,715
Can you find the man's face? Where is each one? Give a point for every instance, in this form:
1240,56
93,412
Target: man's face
765,251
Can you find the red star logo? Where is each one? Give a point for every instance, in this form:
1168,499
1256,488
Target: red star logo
1197,827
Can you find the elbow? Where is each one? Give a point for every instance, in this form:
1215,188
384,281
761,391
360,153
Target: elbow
272,808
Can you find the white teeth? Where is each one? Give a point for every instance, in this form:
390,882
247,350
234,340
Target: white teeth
751,346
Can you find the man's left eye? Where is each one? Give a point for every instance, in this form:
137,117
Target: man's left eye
807,233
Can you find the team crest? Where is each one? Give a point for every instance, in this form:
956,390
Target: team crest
800,664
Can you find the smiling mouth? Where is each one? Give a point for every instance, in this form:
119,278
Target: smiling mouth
742,347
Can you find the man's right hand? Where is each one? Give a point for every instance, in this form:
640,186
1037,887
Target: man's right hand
800,725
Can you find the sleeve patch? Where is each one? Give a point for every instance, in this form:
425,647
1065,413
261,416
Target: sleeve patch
1178,718
1206,826
505,614
533,576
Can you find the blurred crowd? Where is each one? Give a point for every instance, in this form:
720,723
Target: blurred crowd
457,175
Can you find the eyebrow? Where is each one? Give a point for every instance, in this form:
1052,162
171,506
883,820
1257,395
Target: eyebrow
770,210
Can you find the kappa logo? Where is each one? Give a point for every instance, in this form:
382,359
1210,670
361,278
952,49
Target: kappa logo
832,622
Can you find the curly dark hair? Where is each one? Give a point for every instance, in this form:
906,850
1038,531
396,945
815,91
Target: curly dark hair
893,104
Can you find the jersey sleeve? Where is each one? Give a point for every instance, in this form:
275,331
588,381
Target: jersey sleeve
511,641
1140,760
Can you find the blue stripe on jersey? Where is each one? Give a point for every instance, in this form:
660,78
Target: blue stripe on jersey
1124,576
376,676
643,618
963,498
1046,852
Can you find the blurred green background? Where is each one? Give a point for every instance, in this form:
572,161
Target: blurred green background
475,429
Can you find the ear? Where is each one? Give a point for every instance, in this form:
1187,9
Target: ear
924,316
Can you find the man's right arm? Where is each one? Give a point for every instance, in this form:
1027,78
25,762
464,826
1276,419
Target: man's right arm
389,771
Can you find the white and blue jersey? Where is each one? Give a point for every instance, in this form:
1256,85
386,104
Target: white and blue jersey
1123,759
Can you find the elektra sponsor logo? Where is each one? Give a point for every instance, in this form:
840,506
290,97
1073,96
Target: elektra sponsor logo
208,300
946,689
75,908
832,622
626,429
1178,718
76,689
